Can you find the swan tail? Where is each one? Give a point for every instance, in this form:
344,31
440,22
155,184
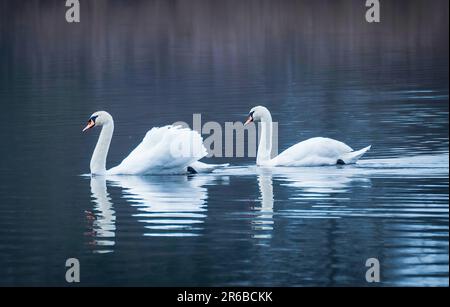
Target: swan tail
352,157
200,167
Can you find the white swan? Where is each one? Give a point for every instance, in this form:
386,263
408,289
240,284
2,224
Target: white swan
316,151
164,150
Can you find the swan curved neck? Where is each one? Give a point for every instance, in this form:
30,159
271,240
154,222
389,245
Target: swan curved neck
98,160
265,143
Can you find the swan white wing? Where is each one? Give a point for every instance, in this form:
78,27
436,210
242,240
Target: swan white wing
312,152
164,150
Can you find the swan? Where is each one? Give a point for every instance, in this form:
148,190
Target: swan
164,150
316,151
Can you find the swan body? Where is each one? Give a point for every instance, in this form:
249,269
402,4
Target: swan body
316,151
164,150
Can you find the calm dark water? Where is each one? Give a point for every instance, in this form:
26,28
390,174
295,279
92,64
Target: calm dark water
321,70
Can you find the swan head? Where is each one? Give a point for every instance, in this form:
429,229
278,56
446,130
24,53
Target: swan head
257,113
99,118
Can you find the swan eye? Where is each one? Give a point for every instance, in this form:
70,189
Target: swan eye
93,118
251,114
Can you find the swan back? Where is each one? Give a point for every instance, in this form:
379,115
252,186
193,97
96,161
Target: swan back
313,152
164,150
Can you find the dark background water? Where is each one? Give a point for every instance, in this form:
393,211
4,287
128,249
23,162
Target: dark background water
317,65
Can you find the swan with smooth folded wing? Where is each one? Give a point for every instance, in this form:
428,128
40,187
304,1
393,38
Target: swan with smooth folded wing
316,151
164,150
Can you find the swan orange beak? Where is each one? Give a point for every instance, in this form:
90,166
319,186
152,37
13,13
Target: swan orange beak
89,125
249,120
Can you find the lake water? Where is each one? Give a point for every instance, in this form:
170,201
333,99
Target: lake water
321,70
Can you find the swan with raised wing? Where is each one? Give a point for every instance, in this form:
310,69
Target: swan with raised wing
316,151
164,150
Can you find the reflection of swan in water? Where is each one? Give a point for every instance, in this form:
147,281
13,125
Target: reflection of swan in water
168,205
311,181
263,222
323,182
313,193
104,219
